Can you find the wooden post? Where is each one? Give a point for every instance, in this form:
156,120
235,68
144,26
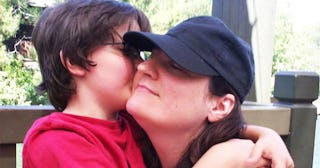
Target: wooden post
253,21
297,90
8,155
14,123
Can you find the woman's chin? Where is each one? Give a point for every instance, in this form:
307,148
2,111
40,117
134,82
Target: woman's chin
134,104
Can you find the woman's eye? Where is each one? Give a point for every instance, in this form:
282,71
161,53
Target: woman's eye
177,67
145,55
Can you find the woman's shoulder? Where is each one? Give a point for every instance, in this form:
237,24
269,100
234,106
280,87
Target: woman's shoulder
232,153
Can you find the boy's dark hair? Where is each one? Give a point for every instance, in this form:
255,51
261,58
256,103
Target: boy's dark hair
74,29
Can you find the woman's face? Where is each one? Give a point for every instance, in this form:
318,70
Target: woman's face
165,96
111,79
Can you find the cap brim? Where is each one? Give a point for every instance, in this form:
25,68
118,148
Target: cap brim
173,47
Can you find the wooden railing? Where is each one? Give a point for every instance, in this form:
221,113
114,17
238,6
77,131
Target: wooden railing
293,116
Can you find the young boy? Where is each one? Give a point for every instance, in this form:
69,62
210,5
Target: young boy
88,80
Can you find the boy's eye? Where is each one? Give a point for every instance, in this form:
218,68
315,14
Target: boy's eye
130,51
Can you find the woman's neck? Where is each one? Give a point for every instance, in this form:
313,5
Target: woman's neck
169,146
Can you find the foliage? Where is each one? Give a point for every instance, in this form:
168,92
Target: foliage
28,15
283,36
165,15
296,50
18,81
9,23
293,50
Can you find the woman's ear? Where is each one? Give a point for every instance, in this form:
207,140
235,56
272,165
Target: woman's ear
220,107
73,69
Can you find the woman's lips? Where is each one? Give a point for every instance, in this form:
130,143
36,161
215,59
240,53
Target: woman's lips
144,88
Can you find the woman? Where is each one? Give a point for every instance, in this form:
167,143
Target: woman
187,95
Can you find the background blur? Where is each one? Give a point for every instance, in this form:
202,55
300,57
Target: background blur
296,45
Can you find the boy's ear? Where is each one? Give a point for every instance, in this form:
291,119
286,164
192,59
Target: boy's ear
73,69
220,107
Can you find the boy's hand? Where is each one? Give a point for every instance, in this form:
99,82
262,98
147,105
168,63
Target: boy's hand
271,147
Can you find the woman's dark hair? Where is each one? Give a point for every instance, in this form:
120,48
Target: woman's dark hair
74,29
215,132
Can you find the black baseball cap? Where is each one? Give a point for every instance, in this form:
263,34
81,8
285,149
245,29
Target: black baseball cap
203,45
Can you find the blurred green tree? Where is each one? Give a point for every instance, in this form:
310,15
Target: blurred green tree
9,23
17,78
295,50
163,16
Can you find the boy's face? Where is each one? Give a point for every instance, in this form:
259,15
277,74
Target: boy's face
110,81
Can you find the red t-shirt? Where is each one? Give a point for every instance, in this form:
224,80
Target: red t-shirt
63,140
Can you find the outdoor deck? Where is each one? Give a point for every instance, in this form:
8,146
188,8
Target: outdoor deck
316,156
293,115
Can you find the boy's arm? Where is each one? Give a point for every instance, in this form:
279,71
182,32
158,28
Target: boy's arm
229,154
269,145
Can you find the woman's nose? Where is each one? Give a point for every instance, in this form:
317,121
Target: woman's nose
148,68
